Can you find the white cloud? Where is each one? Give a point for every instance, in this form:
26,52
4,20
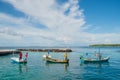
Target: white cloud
19,32
61,28
46,13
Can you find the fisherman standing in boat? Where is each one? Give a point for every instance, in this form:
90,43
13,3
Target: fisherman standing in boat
26,56
48,54
100,56
65,56
20,55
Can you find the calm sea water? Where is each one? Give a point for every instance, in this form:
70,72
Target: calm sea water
38,69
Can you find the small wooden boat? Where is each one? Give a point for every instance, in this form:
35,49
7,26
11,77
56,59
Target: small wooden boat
56,60
94,60
15,59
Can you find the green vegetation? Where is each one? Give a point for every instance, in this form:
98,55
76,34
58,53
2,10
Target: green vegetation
105,45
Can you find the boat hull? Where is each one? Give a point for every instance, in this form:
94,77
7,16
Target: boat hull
51,60
16,60
96,60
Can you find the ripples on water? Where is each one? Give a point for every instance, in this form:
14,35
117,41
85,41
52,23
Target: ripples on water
38,69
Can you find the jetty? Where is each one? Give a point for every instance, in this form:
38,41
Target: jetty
45,50
6,52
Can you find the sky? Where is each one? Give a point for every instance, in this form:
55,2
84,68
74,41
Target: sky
59,22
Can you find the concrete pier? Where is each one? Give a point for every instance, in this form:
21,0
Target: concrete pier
6,52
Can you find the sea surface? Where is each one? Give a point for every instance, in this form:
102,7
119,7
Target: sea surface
38,69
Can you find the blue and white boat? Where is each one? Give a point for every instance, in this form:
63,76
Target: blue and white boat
16,59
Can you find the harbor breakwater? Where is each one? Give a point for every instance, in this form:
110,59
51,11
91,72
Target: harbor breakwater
46,50
6,52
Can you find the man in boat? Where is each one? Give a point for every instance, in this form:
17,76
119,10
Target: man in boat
100,56
26,56
20,55
47,56
65,56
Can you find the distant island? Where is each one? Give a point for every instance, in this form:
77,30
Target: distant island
105,45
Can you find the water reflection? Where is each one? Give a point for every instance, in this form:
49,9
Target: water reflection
22,68
65,65
98,65
97,68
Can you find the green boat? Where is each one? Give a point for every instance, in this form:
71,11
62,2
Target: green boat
99,58
94,60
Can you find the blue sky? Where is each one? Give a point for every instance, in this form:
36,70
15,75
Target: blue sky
103,14
59,22
9,9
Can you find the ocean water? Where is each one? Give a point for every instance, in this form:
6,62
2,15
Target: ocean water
38,69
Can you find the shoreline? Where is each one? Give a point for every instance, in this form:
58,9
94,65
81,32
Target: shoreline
105,45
